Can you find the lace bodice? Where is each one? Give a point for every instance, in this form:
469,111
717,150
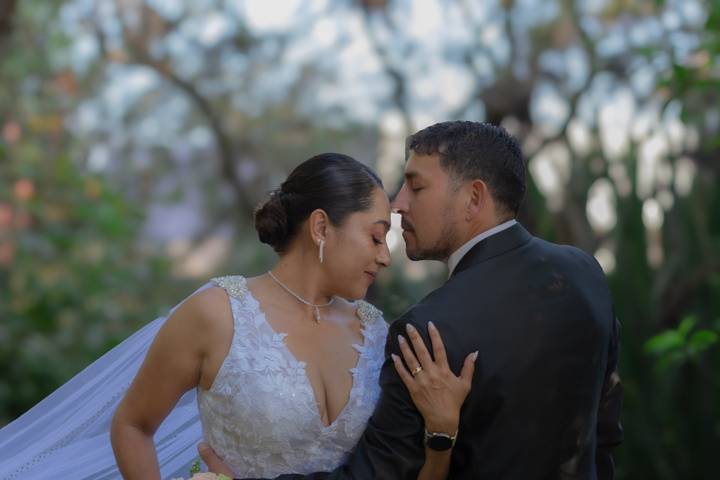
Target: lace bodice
260,413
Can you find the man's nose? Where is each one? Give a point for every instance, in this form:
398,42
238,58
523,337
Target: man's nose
399,203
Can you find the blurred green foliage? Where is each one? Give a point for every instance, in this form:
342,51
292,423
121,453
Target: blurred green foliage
73,281
682,345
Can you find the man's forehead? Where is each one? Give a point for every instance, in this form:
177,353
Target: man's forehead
421,165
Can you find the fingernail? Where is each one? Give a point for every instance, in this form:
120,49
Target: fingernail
409,328
394,357
401,339
475,355
432,325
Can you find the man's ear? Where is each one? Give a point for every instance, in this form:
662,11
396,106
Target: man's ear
478,197
318,224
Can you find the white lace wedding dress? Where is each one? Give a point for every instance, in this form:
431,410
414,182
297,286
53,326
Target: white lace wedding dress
260,414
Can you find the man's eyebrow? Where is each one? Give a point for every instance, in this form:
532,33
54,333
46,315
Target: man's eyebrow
411,174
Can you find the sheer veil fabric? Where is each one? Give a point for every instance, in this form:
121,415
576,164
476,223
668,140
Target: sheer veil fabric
67,435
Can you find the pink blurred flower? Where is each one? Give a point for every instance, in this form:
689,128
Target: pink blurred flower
11,131
7,253
24,189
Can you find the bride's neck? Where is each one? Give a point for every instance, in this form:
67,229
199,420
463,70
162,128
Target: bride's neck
300,270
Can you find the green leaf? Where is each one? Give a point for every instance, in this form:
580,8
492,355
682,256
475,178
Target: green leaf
713,21
665,342
702,340
195,467
686,325
681,76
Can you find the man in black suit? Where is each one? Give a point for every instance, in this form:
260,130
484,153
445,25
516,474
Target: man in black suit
545,399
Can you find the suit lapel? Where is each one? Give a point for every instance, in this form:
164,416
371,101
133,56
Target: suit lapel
493,246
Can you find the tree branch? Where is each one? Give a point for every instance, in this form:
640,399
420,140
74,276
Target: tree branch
394,73
138,45
7,16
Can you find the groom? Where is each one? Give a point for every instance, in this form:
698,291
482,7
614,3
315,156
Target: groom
546,396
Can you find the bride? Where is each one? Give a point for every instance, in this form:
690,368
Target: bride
277,373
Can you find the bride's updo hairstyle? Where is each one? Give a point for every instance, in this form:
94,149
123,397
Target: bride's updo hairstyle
335,183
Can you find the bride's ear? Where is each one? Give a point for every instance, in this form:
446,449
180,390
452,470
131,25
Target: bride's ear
318,223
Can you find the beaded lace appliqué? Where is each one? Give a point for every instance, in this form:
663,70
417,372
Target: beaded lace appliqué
260,414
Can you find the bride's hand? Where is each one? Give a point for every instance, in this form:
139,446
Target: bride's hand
213,462
437,393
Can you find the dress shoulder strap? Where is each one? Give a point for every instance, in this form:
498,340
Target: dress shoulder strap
368,313
234,285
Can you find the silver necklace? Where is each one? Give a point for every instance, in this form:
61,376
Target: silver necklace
316,307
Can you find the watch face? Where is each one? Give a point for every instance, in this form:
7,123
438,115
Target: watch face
439,443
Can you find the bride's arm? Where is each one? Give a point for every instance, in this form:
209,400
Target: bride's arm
437,393
171,368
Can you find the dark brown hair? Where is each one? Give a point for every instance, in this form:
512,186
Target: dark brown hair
474,150
336,183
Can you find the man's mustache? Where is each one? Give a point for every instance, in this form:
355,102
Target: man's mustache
405,225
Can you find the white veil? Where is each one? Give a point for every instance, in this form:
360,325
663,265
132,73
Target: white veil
67,435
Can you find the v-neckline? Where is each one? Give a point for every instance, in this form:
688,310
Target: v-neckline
361,348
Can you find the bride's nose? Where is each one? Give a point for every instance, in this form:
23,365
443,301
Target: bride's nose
383,259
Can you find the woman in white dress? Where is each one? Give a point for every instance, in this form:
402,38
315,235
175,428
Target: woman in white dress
283,366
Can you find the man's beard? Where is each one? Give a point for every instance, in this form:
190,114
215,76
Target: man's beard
443,247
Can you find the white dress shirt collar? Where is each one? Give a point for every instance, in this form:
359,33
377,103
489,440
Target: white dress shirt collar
455,258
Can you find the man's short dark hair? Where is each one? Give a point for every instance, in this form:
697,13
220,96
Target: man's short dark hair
474,150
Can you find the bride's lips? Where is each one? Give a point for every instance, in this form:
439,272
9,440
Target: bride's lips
372,276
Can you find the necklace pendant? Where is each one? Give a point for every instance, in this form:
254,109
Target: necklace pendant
302,300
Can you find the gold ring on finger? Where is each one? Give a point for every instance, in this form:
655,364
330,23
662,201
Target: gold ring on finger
416,370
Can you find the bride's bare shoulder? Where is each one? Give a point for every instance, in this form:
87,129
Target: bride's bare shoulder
208,311
209,302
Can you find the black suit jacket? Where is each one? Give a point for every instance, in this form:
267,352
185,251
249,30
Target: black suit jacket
545,399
